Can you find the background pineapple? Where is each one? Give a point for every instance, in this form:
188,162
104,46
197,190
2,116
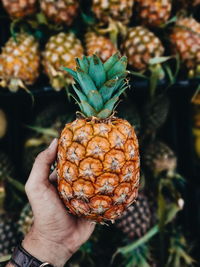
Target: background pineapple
20,8
19,62
99,44
25,220
60,11
60,51
120,11
3,124
106,181
140,46
185,39
153,13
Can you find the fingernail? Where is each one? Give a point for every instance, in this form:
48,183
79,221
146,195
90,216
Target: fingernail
53,143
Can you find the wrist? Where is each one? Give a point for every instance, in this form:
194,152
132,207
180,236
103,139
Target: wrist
45,250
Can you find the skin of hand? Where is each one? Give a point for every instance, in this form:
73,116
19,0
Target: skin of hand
55,235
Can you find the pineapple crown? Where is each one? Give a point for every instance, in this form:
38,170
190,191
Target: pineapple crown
98,85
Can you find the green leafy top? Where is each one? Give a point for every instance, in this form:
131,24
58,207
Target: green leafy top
98,85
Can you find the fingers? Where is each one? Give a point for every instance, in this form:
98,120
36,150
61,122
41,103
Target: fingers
41,168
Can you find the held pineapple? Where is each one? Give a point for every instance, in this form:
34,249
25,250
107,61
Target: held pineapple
99,44
19,62
118,10
60,50
60,11
19,8
185,39
136,220
98,156
154,13
140,46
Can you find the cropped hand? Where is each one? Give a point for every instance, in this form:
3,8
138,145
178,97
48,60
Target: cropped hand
55,234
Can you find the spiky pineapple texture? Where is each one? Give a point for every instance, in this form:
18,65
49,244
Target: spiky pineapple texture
140,46
25,220
60,11
61,50
136,220
120,10
98,157
8,235
100,45
154,13
19,62
155,113
19,8
158,157
185,39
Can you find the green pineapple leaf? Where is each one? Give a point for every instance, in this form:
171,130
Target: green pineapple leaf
111,61
118,68
97,72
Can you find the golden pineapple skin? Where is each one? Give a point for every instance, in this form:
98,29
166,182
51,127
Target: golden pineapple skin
19,8
140,46
60,11
19,61
119,10
98,167
185,39
154,13
98,44
61,51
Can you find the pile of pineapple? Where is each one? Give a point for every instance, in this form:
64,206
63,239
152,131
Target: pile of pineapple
161,41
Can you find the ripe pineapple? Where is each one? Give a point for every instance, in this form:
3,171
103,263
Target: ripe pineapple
158,157
155,114
185,39
19,62
25,220
140,46
154,13
19,8
100,45
117,10
3,123
98,156
60,11
136,220
61,50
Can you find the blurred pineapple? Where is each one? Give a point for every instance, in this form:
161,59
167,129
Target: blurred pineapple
154,13
185,40
99,44
3,123
118,10
19,8
140,46
61,51
25,220
19,62
60,11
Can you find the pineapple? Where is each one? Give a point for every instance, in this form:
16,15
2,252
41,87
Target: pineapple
117,10
154,13
185,40
60,11
100,45
19,62
60,50
154,114
3,124
25,220
19,8
98,155
158,157
136,220
140,46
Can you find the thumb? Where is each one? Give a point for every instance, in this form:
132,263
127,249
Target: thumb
40,172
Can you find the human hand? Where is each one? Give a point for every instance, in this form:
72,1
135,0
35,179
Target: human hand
55,234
